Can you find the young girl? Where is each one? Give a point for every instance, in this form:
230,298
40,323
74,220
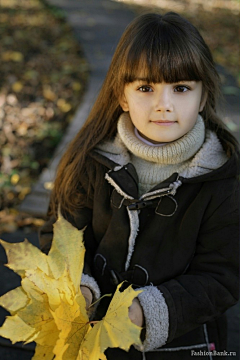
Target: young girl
153,176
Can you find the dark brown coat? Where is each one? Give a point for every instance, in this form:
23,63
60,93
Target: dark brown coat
186,246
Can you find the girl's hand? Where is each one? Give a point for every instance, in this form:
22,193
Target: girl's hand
135,313
87,294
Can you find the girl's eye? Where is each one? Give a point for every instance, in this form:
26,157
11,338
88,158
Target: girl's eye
145,88
181,88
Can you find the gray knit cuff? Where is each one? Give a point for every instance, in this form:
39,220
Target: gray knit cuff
91,283
156,317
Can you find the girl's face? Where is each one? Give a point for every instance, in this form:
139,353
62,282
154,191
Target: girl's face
163,112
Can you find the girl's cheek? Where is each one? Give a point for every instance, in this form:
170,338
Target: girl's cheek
144,102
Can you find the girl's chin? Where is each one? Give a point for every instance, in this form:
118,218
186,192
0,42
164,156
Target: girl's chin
160,140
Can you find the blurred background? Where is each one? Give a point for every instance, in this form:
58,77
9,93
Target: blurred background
43,74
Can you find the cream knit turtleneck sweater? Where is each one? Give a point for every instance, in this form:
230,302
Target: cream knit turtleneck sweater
196,153
156,163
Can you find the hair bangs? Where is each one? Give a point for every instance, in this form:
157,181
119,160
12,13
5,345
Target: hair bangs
161,56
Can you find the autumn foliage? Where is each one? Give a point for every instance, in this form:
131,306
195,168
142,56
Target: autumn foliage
43,75
48,307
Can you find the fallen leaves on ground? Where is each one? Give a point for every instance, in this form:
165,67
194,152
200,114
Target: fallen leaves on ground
48,307
43,75
11,220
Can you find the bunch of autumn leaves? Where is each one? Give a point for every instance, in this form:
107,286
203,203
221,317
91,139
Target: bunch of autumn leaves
48,307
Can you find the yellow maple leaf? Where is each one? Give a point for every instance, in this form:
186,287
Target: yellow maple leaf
14,300
24,256
16,329
73,324
50,285
43,352
67,251
115,330
48,307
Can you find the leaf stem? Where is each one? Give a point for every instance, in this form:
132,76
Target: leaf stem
95,302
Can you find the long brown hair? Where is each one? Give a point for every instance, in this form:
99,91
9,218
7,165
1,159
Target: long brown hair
167,48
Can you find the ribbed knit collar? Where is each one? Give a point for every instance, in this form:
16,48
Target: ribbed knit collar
171,153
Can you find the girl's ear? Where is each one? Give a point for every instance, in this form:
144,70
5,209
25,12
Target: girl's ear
203,101
123,103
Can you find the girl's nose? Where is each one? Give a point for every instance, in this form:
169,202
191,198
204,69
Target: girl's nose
164,102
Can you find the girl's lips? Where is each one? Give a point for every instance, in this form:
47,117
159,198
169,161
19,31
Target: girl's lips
164,122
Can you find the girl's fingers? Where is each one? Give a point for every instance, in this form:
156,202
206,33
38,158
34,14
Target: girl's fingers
87,294
135,313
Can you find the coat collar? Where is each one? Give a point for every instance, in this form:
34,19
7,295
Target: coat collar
125,181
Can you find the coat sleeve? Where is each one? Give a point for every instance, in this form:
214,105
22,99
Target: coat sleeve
209,286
